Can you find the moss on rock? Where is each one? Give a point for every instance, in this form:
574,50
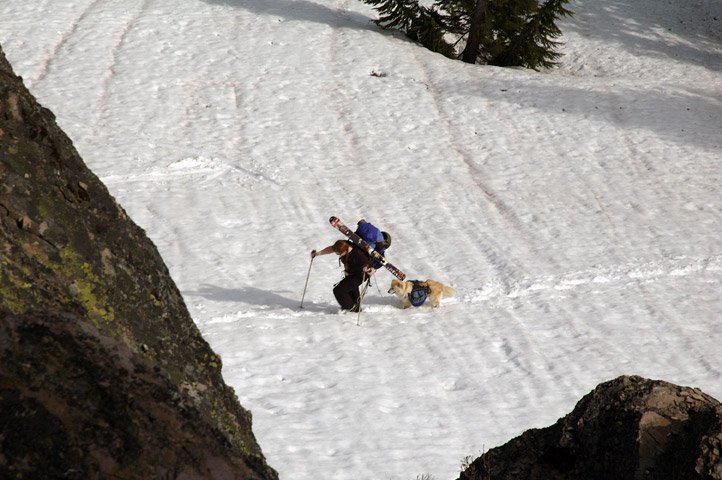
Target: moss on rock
99,357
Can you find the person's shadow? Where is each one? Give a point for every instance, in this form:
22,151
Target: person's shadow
253,296
271,299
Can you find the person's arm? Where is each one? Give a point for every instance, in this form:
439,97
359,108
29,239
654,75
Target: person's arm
324,251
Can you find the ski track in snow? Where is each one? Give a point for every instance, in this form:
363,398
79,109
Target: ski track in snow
61,43
594,280
126,27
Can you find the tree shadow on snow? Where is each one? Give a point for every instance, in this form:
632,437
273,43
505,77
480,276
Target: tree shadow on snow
300,10
698,25
683,117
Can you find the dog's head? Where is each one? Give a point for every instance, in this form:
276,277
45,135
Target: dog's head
399,288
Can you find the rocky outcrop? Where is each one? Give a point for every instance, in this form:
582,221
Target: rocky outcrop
628,428
103,373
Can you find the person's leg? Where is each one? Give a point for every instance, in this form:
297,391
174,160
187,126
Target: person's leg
346,292
356,301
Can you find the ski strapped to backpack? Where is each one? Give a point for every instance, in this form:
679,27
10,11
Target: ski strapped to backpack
361,243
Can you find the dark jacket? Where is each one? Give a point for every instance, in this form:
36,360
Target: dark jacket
355,261
347,290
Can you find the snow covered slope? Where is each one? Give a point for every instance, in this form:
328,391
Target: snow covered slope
576,211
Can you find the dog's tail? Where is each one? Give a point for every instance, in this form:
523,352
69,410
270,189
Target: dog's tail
448,291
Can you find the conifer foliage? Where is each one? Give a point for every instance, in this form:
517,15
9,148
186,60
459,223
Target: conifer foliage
496,32
421,24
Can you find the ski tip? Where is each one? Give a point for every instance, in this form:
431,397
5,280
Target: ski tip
333,220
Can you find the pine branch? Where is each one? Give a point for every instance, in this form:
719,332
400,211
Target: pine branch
419,23
498,32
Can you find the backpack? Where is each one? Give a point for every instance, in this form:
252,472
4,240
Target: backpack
372,235
368,232
418,293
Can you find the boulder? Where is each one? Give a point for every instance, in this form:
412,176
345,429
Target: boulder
629,428
103,373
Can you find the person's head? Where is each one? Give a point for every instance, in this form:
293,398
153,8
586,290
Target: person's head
386,243
341,247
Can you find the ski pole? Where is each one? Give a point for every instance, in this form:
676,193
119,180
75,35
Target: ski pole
361,298
307,275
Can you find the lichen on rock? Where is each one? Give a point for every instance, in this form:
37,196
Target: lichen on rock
103,373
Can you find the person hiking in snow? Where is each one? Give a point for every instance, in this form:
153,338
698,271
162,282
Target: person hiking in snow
358,267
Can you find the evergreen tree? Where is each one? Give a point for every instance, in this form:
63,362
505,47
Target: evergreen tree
497,32
534,45
421,24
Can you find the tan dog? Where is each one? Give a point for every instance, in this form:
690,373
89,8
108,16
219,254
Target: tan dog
436,291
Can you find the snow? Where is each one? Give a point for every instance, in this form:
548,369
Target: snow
576,211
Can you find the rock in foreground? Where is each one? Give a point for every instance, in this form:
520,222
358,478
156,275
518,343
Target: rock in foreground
629,428
103,373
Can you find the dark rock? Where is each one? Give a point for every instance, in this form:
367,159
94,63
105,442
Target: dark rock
103,373
628,428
